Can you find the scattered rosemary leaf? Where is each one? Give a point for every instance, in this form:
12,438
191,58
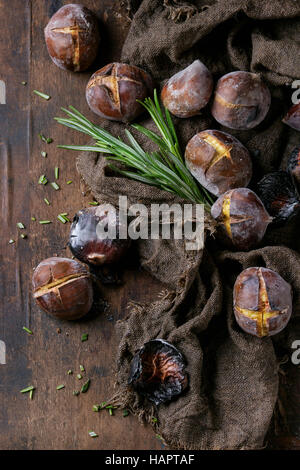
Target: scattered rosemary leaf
82,368
42,95
44,222
85,386
96,408
11,241
125,413
59,387
94,203
84,337
44,154
70,372
20,225
93,434
31,395
76,393
102,405
62,219
49,140
158,436
55,186
69,182
27,389
43,179
33,219
24,83
79,376
27,330
56,172
154,420
110,412
23,235
46,201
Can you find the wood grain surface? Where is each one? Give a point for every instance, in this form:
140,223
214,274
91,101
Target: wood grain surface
53,419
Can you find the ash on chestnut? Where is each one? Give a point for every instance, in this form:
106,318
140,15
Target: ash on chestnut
72,37
292,118
63,288
218,161
112,92
157,371
279,196
262,302
89,240
242,100
242,219
188,91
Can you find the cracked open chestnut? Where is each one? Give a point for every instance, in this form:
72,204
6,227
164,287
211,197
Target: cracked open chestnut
279,196
262,301
63,288
241,101
112,92
188,91
218,161
95,236
72,37
157,371
292,117
293,167
242,218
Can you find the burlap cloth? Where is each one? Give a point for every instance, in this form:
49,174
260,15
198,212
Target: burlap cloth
233,376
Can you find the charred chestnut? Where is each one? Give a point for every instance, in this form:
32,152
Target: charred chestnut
63,288
218,161
242,218
158,371
72,37
262,302
294,167
241,100
95,237
112,92
188,91
279,196
292,118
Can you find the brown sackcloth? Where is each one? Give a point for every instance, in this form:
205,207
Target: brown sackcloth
233,376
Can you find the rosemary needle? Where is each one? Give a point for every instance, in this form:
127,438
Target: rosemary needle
42,95
59,387
27,330
27,389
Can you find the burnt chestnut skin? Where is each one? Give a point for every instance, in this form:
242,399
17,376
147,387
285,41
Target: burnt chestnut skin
86,242
292,118
112,92
72,37
241,100
188,91
242,219
157,371
262,301
218,161
63,288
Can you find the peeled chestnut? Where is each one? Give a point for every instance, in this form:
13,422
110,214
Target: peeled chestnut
293,167
242,218
279,196
218,161
72,37
63,288
112,92
262,302
292,118
157,371
241,100
90,240
188,91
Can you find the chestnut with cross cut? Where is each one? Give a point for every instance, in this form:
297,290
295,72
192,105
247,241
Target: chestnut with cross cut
112,92
242,219
218,161
72,37
262,301
241,101
63,288
292,117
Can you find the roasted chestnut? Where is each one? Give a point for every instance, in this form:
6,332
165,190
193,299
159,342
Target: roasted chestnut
241,100
72,37
279,196
91,240
242,218
158,371
188,91
293,167
63,288
292,118
262,302
218,161
112,92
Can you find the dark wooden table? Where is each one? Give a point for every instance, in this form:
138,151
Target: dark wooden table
53,419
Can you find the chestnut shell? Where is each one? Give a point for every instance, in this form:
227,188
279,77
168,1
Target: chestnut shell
157,371
242,100
293,167
279,196
63,288
242,219
292,118
218,161
262,301
87,245
72,37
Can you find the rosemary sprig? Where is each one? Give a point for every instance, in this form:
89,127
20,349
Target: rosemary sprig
164,168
